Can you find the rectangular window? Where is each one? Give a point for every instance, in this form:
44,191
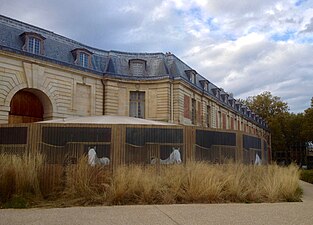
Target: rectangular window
192,78
219,119
206,86
137,104
187,106
34,45
232,124
224,125
208,115
83,59
217,94
193,111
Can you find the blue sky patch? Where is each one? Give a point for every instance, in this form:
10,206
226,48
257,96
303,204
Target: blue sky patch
283,37
213,26
300,2
196,12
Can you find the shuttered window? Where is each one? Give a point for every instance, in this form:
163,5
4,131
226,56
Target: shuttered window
193,111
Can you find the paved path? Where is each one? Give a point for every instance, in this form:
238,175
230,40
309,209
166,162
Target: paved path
264,213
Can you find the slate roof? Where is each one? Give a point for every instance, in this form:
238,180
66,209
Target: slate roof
107,63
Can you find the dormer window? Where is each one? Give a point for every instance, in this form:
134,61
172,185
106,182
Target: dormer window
216,92
231,102
33,43
253,115
238,106
205,84
224,97
243,109
191,74
192,78
137,67
82,57
248,112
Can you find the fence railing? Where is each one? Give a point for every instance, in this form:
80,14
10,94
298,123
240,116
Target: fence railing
216,154
132,143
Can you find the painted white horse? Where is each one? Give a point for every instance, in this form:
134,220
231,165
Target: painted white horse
173,159
258,160
94,160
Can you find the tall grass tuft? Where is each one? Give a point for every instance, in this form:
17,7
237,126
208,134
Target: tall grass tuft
249,183
134,185
203,183
280,183
195,182
86,185
19,175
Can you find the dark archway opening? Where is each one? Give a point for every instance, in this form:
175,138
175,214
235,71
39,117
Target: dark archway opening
25,107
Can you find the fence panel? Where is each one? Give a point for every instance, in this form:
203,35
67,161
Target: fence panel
214,146
251,147
144,144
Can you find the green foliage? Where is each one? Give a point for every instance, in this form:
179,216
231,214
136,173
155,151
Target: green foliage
266,105
308,123
275,112
307,176
16,202
287,129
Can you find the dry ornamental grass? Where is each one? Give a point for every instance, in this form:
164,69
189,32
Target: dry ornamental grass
195,182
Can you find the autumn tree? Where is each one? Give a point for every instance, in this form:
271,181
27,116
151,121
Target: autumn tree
286,128
266,105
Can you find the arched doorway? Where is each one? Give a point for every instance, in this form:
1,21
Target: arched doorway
26,107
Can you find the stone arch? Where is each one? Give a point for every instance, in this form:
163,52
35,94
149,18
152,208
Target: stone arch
30,105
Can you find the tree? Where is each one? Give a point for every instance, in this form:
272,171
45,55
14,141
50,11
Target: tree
286,129
266,105
308,123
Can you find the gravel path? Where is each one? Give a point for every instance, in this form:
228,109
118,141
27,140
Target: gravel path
264,213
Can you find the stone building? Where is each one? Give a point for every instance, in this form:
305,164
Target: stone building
46,76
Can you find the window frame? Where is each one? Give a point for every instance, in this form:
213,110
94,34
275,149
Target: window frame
77,52
191,74
205,85
137,98
31,39
193,111
217,92
83,59
224,97
208,115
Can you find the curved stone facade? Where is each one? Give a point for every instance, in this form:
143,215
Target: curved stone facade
72,79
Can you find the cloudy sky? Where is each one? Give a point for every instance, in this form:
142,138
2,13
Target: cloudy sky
244,46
